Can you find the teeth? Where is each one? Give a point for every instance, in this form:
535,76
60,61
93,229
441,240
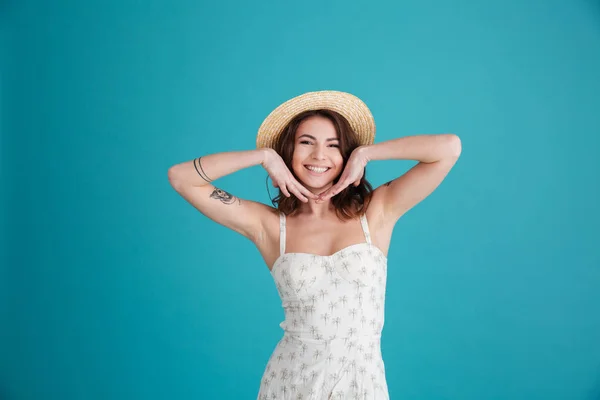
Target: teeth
318,170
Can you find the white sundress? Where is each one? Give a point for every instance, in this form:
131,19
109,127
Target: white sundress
334,315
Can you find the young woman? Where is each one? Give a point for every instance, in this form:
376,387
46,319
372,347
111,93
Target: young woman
326,241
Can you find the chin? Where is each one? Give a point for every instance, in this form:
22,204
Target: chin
316,186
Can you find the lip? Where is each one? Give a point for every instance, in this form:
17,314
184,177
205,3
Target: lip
316,166
316,173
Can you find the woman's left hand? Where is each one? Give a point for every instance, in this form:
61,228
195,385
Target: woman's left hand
352,174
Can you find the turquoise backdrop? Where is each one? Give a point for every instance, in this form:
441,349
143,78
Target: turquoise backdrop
113,287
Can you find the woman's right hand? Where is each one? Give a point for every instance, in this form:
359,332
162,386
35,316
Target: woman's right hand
282,177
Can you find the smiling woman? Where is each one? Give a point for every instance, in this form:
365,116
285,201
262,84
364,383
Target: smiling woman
336,229
315,145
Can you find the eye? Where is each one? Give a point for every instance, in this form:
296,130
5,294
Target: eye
309,142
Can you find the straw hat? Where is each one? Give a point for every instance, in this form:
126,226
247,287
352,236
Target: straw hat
351,107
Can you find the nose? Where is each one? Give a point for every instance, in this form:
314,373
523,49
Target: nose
318,153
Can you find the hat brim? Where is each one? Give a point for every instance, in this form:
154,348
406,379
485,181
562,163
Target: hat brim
349,106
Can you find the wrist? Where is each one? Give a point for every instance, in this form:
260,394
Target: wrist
364,153
265,154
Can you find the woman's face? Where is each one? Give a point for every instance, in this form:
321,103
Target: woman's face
317,159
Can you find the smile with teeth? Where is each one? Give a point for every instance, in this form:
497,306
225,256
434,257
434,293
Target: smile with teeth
318,170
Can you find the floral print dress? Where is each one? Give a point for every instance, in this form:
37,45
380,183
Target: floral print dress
334,315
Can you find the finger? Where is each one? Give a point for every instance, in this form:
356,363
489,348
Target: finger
329,193
323,194
294,189
338,188
307,193
326,193
304,190
284,189
300,196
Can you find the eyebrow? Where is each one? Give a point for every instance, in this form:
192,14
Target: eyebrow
314,138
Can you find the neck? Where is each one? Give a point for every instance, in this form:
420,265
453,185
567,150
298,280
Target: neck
316,208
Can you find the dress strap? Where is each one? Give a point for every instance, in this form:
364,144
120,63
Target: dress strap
365,226
281,233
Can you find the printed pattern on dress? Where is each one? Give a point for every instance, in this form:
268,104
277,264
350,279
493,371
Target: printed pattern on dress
334,316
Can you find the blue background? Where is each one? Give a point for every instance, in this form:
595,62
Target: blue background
113,287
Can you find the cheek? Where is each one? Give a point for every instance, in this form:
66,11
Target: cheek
298,156
297,161
339,161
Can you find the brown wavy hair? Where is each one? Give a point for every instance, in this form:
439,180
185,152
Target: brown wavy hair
350,202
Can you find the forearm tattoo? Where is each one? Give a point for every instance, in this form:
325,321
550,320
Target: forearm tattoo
226,198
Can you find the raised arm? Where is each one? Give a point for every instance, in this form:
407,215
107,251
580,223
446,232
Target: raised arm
192,180
436,154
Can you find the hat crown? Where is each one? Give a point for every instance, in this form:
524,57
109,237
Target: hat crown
349,106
